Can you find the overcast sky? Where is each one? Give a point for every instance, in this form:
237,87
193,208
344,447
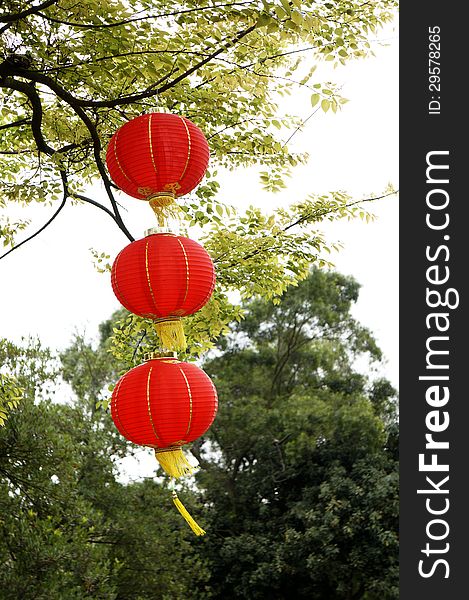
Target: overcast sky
50,287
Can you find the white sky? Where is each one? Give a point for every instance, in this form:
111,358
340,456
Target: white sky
50,287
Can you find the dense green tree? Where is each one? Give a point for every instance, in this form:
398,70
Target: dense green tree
299,483
69,527
298,486
300,466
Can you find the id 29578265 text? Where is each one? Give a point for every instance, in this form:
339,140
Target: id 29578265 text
434,70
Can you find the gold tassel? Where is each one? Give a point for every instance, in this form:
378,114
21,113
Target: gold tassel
171,333
164,207
173,462
190,521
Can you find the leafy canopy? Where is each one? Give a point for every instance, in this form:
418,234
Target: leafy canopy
69,527
298,486
72,73
300,466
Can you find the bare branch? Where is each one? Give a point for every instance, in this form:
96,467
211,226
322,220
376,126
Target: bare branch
300,126
94,203
102,171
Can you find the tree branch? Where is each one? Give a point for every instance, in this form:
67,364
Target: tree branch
329,210
12,17
102,171
302,219
35,101
72,102
77,103
54,216
117,55
137,19
16,124
94,203
300,126
226,46
33,96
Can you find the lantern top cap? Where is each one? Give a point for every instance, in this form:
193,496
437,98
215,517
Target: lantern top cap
165,356
159,230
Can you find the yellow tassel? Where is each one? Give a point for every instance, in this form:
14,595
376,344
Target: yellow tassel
171,334
164,207
190,521
173,462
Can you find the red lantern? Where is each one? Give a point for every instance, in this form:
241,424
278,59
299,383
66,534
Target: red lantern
164,404
157,153
164,277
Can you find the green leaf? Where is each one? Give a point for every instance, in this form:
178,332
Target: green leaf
286,5
314,99
263,20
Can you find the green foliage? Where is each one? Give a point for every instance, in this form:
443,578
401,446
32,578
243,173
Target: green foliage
300,465
298,485
9,230
255,256
69,528
91,371
299,478
72,73
23,370
10,396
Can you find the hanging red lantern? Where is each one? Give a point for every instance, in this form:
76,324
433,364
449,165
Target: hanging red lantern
164,277
164,404
157,157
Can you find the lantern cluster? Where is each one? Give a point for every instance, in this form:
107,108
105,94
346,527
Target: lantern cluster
163,403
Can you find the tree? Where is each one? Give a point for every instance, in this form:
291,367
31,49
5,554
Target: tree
72,73
298,489
300,466
14,361
69,528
